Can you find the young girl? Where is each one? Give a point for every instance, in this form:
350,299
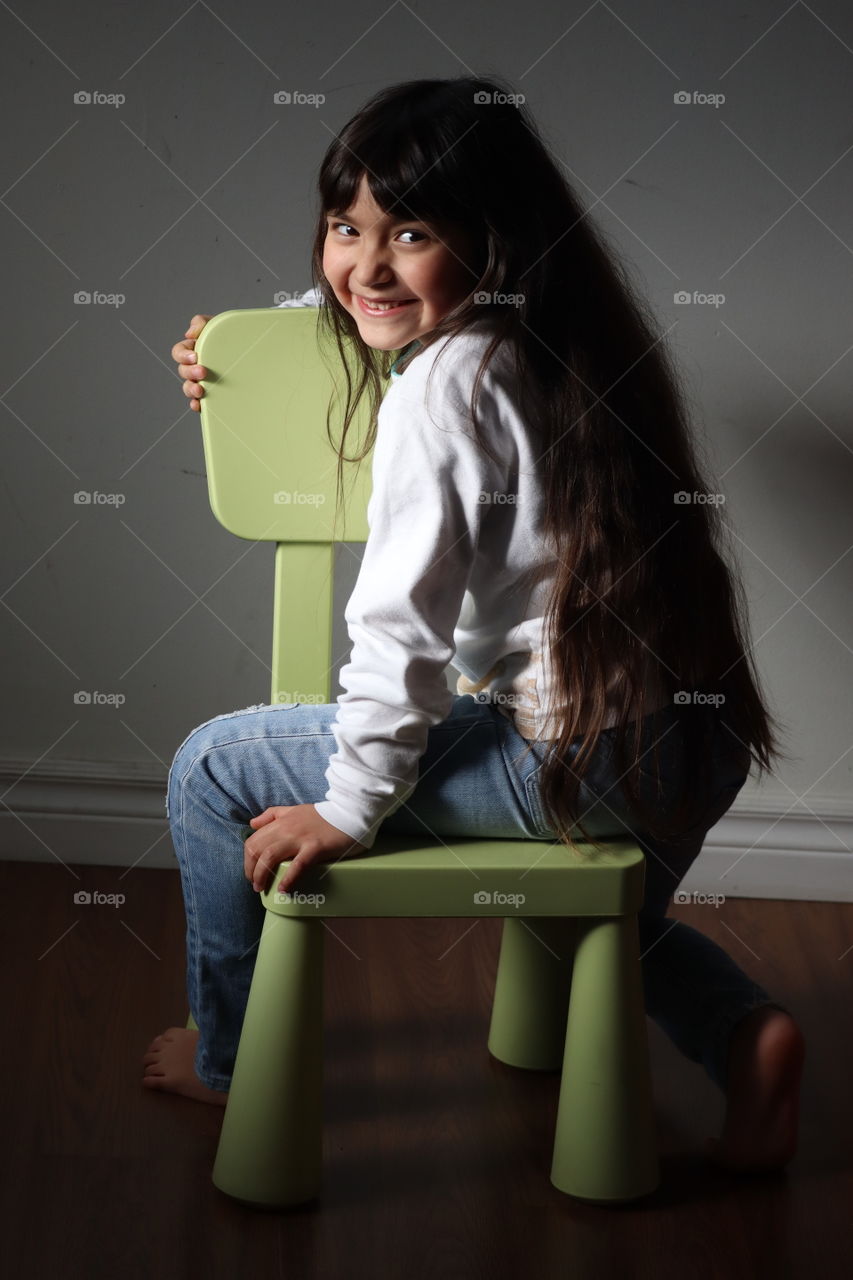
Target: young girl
538,517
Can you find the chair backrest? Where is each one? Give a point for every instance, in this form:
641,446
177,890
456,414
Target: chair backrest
271,473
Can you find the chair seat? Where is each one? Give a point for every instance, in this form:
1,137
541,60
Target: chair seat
403,876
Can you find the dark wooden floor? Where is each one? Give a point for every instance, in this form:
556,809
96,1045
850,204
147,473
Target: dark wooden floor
436,1155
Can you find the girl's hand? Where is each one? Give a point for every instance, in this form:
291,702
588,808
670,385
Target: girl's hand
184,354
292,831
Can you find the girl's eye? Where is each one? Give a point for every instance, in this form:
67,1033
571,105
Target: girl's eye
339,226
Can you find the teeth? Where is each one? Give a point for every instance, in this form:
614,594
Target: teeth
382,306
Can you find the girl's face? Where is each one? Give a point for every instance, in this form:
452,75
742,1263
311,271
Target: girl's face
370,255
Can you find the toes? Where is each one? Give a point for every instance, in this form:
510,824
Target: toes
166,1037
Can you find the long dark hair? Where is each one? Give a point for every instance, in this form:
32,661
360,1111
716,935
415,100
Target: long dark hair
641,589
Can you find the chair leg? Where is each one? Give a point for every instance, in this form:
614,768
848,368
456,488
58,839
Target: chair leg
605,1145
531,1000
270,1146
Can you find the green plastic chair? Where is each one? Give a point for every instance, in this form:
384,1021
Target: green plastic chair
263,421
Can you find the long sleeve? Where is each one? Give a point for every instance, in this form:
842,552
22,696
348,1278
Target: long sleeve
424,519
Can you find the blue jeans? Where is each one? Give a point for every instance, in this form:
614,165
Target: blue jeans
477,777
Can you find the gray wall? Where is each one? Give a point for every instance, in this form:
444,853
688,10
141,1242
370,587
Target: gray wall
196,194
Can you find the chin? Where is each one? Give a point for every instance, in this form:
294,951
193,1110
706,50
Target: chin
381,346
378,343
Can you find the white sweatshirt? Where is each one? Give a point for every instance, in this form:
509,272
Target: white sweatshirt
456,569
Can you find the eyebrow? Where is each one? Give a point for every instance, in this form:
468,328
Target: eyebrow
395,218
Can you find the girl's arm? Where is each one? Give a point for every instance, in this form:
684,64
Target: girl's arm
424,518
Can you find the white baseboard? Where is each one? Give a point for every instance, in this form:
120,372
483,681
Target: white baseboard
763,850
109,814
91,812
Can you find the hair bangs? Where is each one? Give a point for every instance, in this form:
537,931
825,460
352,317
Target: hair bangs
411,170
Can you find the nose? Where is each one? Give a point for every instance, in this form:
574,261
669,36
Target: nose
372,267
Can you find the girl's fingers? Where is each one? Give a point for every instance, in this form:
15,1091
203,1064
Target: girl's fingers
191,373
250,867
291,873
180,350
183,352
184,355
262,873
264,869
196,325
187,361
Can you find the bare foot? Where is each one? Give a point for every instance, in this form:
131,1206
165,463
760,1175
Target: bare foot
765,1066
170,1064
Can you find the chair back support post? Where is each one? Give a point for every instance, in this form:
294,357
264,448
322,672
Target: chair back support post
302,623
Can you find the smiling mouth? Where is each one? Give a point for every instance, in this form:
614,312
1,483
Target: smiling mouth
383,308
